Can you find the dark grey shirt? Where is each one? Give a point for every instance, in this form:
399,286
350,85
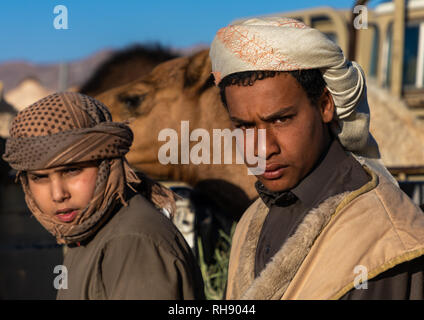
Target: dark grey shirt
137,254
336,172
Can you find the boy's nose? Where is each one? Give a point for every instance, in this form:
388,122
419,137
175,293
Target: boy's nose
59,190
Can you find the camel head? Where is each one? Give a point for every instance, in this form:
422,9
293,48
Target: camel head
178,90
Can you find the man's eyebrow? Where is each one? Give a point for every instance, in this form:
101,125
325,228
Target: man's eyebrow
240,121
278,114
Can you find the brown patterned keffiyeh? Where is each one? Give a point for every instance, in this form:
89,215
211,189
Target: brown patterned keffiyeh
65,128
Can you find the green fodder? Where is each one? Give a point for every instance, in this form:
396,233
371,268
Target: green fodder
215,275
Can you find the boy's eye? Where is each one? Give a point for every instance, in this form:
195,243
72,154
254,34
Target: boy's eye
283,119
72,171
244,126
37,178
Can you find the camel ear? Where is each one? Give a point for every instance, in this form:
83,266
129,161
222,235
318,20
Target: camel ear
198,73
1,90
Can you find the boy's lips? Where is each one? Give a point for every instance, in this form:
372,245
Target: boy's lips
66,215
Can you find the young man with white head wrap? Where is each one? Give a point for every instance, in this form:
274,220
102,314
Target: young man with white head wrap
329,215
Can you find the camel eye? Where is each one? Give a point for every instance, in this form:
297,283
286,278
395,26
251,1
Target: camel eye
132,102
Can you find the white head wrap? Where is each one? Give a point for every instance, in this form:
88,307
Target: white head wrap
285,44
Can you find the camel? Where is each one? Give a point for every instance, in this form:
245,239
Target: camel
178,90
125,66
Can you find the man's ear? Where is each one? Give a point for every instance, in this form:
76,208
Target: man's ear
326,106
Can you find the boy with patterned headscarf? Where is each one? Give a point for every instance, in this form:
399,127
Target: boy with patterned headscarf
70,159
330,222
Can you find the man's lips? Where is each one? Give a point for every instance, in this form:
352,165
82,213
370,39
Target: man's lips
66,215
274,171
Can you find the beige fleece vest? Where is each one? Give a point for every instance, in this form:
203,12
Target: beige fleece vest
375,227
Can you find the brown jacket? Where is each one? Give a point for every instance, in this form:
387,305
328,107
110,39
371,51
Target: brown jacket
138,254
376,227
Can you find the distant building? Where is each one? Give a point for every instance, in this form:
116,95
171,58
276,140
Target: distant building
27,92
7,113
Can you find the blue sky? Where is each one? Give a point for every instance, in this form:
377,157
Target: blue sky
27,32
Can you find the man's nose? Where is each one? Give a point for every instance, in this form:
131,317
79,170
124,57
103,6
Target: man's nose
267,146
59,190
